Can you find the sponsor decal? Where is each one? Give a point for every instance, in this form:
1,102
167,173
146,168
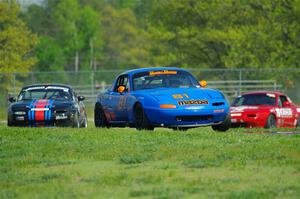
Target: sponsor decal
298,110
35,88
163,72
271,95
191,102
48,87
59,88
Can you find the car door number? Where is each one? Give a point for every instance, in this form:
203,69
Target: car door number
122,103
284,112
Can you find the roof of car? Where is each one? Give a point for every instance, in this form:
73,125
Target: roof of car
140,70
263,92
46,85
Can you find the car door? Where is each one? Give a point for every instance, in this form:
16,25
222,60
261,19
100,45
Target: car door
118,101
285,113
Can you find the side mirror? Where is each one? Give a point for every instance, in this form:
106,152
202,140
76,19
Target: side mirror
286,104
121,89
203,83
11,99
80,98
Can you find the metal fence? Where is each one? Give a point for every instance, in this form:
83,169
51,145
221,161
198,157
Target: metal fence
231,81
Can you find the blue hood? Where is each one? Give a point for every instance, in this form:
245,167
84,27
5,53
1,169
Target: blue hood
169,94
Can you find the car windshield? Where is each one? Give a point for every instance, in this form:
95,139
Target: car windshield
255,99
164,79
57,93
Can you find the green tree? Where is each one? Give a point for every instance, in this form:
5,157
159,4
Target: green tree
125,44
16,40
226,33
66,16
78,33
50,55
17,43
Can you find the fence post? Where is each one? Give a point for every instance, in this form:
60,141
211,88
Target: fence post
14,83
240,81
92,84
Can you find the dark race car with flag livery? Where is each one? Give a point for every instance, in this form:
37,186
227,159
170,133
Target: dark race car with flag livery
47,105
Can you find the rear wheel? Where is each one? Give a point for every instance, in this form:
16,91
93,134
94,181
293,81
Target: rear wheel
99,117
224,126
271,122
298,123
141,120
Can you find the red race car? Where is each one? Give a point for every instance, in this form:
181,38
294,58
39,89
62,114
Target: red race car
266,109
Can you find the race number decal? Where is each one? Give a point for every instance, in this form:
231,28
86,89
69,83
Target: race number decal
284,112
180,96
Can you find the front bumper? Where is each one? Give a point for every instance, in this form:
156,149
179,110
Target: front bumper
56,119
248,120
186,117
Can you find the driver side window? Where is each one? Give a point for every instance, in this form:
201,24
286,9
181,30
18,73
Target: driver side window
281,100
122,81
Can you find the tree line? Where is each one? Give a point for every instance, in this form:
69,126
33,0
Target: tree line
103,34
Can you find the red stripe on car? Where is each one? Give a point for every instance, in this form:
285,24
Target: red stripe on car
40,114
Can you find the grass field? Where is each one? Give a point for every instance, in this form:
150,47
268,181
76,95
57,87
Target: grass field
123,163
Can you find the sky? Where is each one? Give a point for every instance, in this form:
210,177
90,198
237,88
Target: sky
26,3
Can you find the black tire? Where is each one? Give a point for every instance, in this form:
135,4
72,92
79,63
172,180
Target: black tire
10,122
271,122
298,123
141,121
223,126
75,122
84,122
99,117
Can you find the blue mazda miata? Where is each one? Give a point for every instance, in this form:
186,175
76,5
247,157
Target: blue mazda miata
161,97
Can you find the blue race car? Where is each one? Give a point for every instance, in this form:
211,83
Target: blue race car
161,97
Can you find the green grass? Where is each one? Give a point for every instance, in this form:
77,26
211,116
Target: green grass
125,163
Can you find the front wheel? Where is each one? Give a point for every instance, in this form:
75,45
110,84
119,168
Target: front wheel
99,117
84,123
298,123
271,122
10,122
141,120
75,121
224,126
